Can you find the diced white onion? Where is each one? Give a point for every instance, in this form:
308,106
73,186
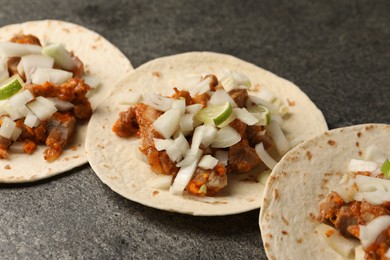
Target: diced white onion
197,138
226,137
160,181
60,55
16,133
362,166
31,120
220,97
186,122
182,143
55,76
259,101
12,49
371,231
179,104
61,105
42,108
189,158
245,116
3,69
264,156
241,79
266,95
33,61
167,123
222,156
209,134
193,109
7,127
359,253
162,144
263,177
21,98
184,175
374,190
347,190
13,112
208,162
372,153
228,82
174,153
157,101
17,147
93,82
281,143
340,244
201,87
277,118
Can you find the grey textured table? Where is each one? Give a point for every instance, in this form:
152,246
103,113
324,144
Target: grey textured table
338,52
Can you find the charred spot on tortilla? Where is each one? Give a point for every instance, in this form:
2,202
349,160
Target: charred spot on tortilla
7,167
360,153
299,241
291,103
284,232
359,134
266,245
276,194
157,74
357,144
331,142
66,30
285,220
309,155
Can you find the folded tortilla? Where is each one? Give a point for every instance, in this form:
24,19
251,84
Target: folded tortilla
302,180
118,163
101,59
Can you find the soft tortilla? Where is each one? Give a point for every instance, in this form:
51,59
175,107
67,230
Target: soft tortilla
302,180
101,60
116,160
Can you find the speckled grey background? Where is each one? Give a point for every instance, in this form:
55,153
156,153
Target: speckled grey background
338,52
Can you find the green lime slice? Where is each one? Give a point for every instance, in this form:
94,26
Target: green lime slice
10,87
214,114
262,113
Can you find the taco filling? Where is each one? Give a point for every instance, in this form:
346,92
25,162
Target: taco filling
359,208
204,132
42,96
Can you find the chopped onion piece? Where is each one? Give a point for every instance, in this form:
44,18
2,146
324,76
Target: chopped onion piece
13,112
55,76
362,166
42,108
61,105
193,109
158,102
266,95
16,133
277,135
12,49
340,244
179,104
186,122
167,123
228,82
7,127
277,118
359,253
208,162
188,158
369,233
222,156
31,120
31,62
17,147
184,175
162,144
197,138
374,190
245,116
226,137
209,134
174,153
263,177
201,87
220,97
93,82
3,69
60,55
264,156
21,98
259,101
182,143
160,181
373,153
24,110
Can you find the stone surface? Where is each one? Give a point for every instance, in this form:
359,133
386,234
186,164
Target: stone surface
338,52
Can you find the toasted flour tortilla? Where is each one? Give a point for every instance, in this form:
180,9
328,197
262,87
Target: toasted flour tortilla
302,180
101,60
116,160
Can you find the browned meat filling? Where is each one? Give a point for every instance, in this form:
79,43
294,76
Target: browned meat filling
214,180
240,96
127,124
26,39
347,216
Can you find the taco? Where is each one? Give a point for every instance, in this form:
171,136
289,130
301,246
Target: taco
328,198
216,93
53,74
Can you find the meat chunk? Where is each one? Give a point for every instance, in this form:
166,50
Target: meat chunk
242,158
240,127
12,65
258,134
4,144
240,96
182,94
26,39
60,128
379,248
213,179
126,125
78,68
201,99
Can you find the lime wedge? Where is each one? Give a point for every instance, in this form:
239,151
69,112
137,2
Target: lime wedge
214,114
261,113
385,169
10,87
